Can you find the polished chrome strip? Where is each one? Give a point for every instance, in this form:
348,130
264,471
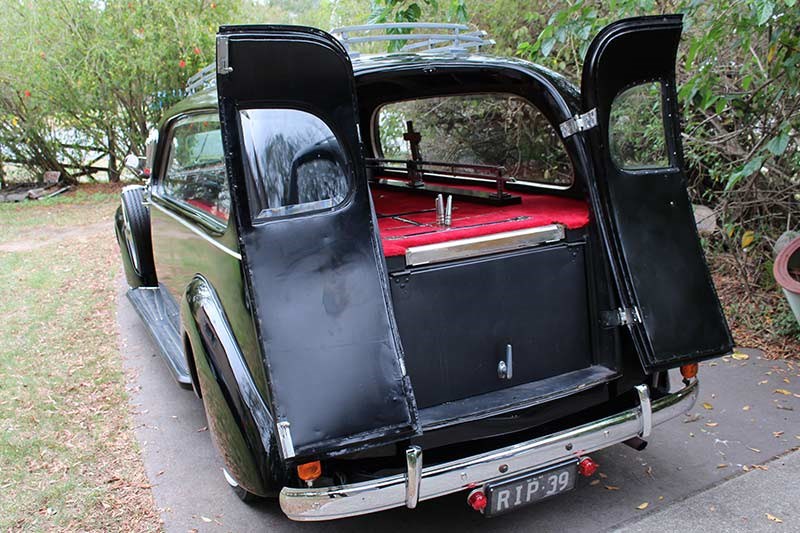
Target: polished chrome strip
197,231
483,245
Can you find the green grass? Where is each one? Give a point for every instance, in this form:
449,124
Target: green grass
68,459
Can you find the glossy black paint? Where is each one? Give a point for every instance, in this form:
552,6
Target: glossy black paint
239,419
317,282
656,248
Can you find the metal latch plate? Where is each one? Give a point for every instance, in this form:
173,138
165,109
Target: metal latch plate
621,317
582,122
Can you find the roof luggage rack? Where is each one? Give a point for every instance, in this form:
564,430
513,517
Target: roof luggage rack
207,77
436,36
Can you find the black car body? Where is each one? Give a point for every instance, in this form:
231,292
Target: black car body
339,321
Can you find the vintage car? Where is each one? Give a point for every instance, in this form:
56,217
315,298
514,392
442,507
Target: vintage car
396,276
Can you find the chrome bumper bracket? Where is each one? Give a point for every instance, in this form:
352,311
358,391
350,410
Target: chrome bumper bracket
413,475
646,410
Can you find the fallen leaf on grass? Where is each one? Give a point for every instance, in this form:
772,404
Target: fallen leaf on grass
712,424
773,518
782,391
611,487
707,405
740,356
642,506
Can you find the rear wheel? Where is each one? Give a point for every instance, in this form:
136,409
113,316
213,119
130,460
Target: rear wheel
136,238
243,494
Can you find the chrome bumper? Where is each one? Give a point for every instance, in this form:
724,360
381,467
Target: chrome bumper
328,503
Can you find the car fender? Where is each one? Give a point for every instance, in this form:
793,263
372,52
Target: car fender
238,418
127,265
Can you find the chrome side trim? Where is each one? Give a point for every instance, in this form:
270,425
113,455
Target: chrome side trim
413,475
328,503
205,237
483,245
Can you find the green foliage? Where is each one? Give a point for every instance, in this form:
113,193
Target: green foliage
81,83
410,11
739,76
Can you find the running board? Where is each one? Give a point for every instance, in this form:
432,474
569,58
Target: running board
161,316
514,398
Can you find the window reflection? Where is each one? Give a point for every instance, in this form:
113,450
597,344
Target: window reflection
293,162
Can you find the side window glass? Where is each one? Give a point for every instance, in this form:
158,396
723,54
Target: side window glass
195,173
293,162
636,129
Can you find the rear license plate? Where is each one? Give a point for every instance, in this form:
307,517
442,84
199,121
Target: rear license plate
511,494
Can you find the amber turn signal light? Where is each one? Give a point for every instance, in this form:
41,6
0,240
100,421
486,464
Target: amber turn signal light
689,371
309,471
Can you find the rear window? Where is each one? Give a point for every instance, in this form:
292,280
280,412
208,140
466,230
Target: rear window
294,163
485,129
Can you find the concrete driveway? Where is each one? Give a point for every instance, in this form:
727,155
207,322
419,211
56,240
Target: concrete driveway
696,474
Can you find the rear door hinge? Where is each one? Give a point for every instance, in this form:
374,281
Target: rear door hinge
621,317
223,61
582,122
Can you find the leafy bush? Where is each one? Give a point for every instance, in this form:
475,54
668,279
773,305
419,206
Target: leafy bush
739,78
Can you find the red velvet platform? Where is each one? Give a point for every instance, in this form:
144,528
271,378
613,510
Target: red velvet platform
407,219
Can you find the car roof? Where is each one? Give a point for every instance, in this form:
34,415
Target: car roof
398,61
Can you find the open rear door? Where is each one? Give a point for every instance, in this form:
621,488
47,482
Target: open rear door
628,89
311,260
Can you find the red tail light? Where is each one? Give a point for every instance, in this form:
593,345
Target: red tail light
477,500
587,467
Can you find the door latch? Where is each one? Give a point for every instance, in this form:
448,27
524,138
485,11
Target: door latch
505,368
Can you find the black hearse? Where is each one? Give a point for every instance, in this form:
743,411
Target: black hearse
394,277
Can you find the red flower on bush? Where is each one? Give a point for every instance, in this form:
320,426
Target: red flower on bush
182,63
27,93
